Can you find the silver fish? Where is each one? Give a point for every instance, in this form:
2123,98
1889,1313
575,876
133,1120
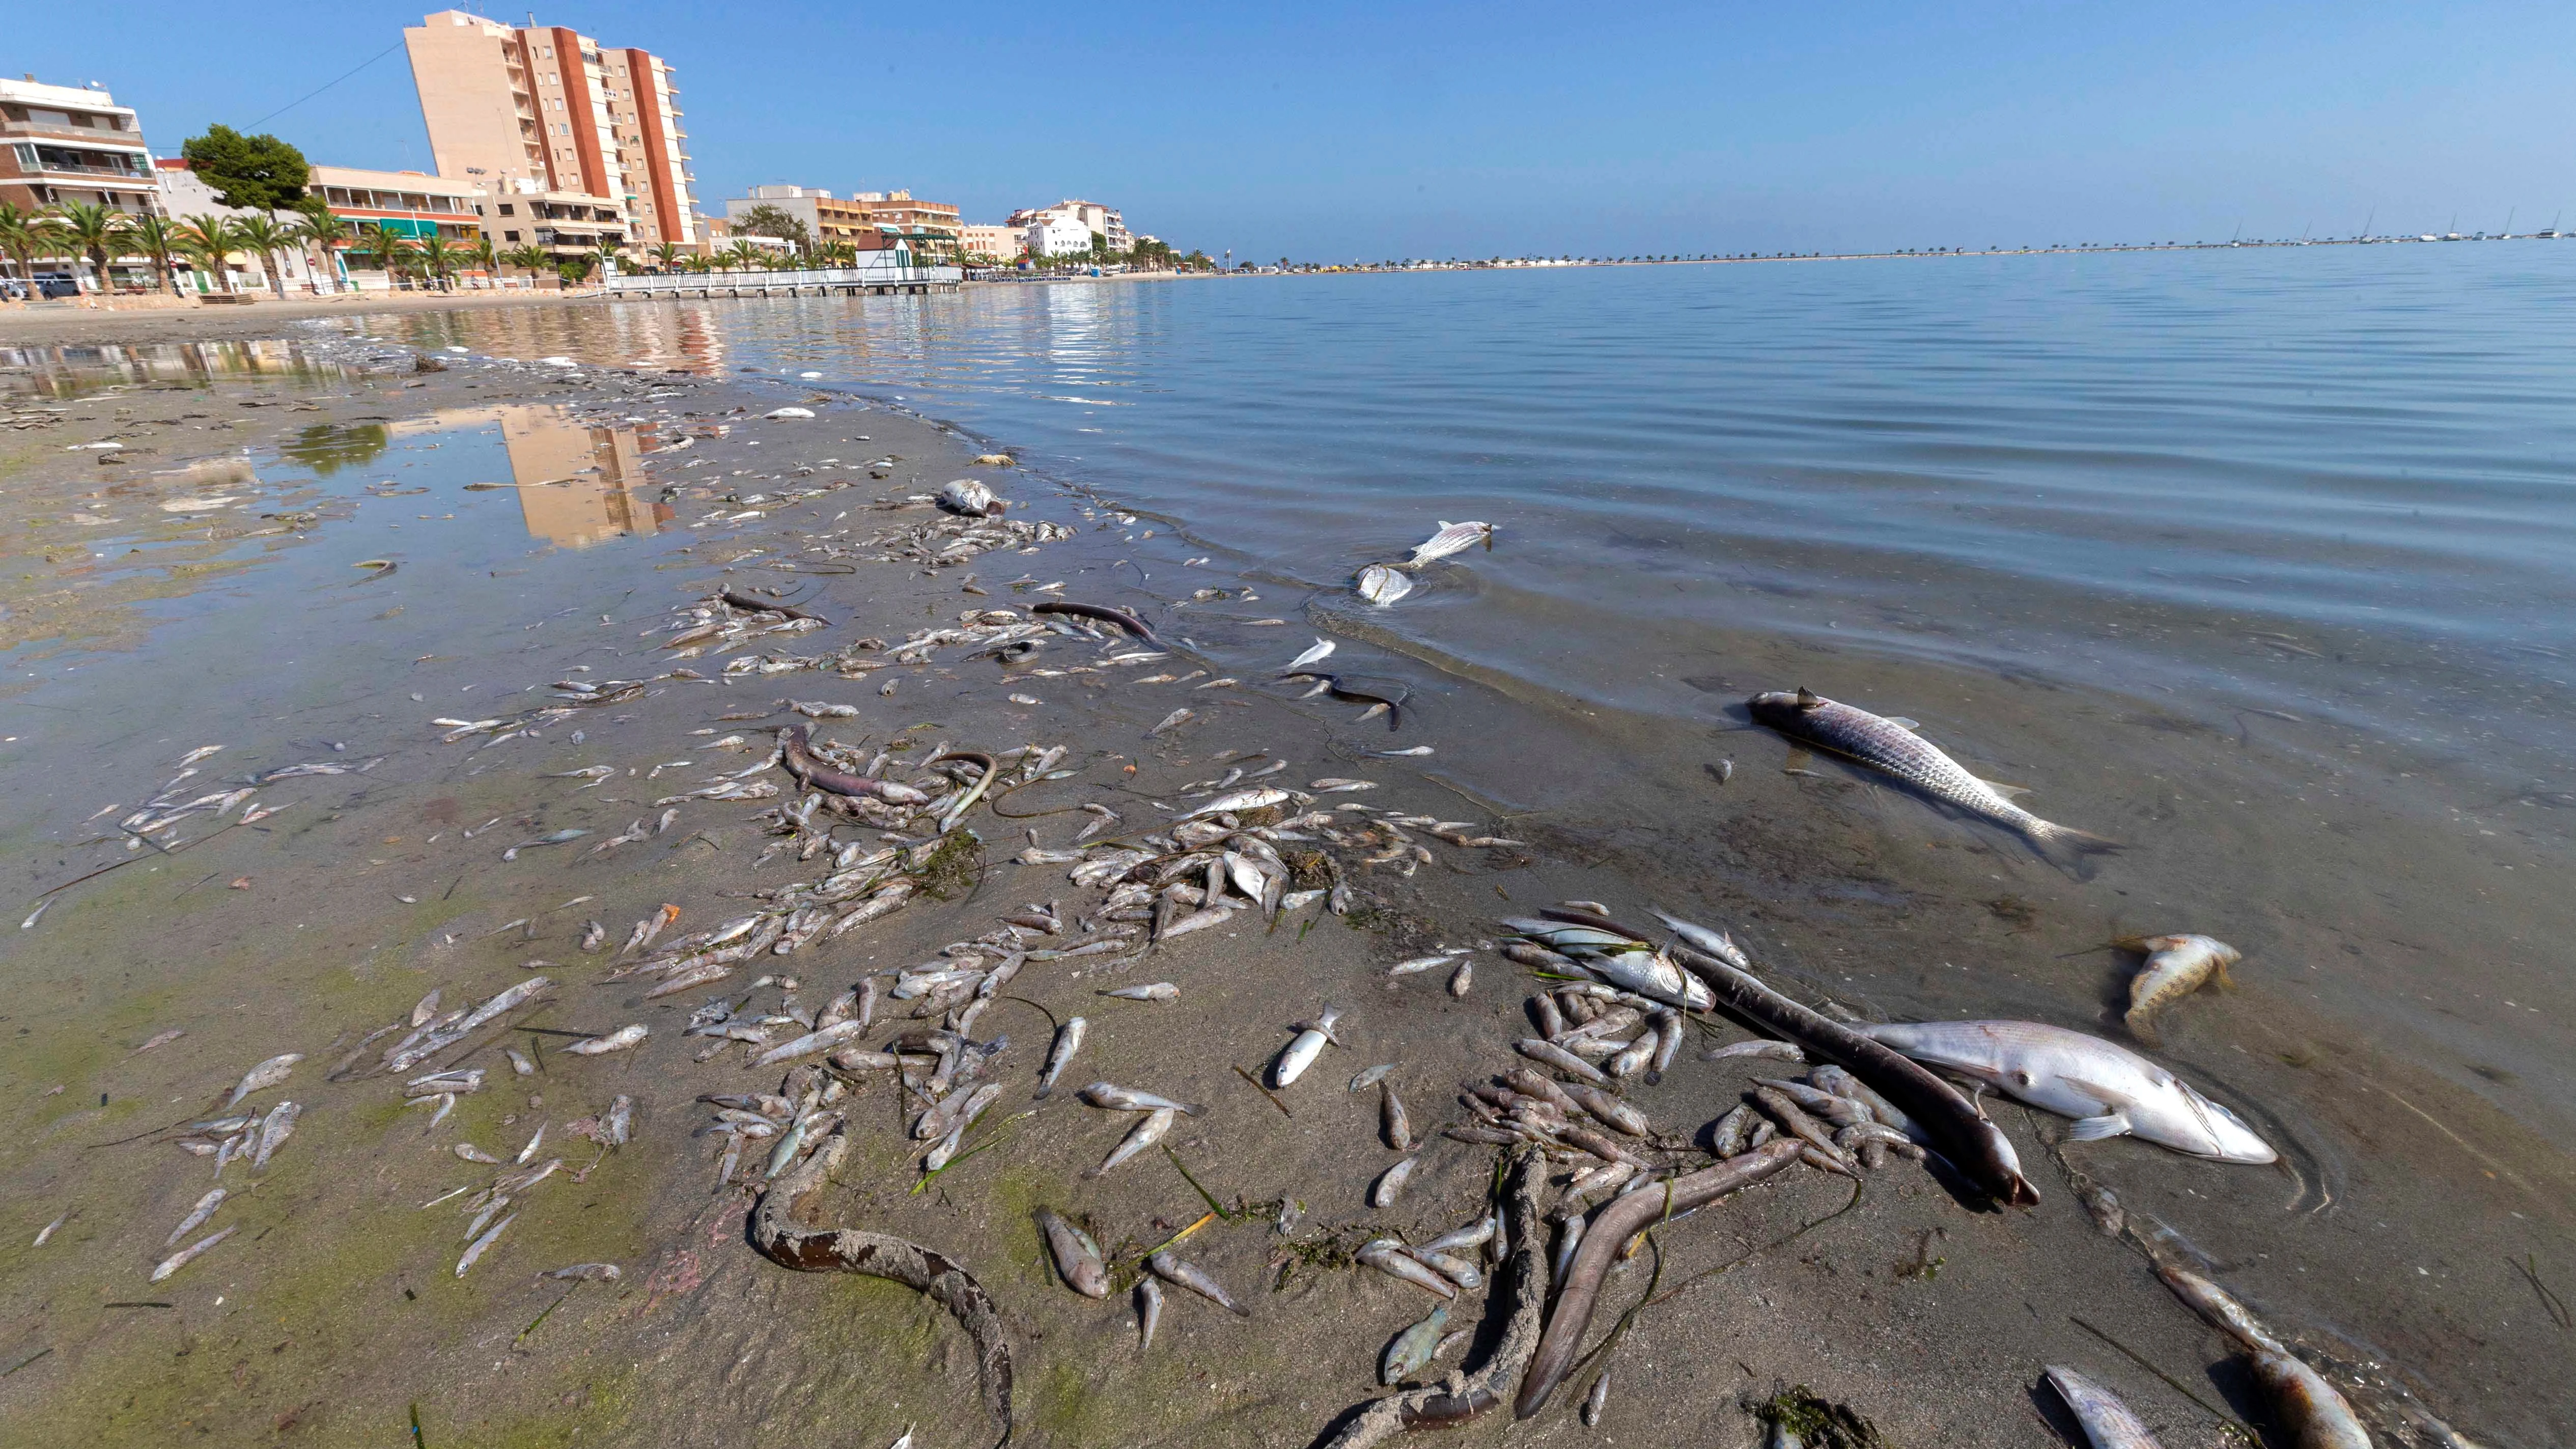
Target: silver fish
1126,1099
1392,1120
2176,966
1383,584
1068,1040
1323,648
1778,1051
189,1254
807,1045
1371,1077
266,1075
1390,1184
1882,744
1145,1134
1410,1352
1304,1047
1716,943
2303,1402
274,1129
1388,1257
1548,1053
1597,1400
2107,1422
615,1041
1452,538
2108,1089
2221,1308
1149,1312
1159,991
589,1273
1077,1257
1186,1275
1260,798
195,1219
483,1244
1474,1235
1457,1270
1172,721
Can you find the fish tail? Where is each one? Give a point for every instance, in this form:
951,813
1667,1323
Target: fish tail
2081,842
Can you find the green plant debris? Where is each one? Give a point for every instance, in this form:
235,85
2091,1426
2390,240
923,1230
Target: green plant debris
1818,1423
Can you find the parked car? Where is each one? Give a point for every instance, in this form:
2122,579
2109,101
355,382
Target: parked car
57,284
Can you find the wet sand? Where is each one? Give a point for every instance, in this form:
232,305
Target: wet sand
335,1313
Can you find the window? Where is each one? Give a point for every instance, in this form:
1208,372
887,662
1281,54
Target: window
505,209
509,236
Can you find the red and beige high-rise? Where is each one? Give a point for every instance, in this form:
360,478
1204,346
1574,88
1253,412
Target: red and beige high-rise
543,109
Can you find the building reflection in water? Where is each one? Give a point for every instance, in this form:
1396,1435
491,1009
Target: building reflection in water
577,485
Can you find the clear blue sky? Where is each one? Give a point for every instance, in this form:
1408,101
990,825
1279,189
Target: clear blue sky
1332,131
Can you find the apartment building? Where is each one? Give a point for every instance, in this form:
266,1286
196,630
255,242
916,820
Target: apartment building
71,144
1091,216
544,111
930,226
827,218
1056,236
996,243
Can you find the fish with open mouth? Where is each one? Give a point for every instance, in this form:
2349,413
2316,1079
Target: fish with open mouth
2108,1089
1884,744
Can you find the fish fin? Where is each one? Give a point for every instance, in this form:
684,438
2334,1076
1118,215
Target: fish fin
2094,1129
1901,722
2009,792
1807,698
2224,980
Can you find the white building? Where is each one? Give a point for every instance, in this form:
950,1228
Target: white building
1091,216
1057,236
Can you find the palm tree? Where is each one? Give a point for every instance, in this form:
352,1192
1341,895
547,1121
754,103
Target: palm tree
666,255
93,229
482,255
160,239
22,235
440,256
209,240
745,255
326,233
260,233
398,254
604,256
531,258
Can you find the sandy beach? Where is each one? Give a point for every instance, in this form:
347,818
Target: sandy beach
420,862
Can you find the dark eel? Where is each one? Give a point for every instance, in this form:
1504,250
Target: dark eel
761,606
1464,1395
1618,1221
1975,1146
783,1241
1355,687
1105,614
800,762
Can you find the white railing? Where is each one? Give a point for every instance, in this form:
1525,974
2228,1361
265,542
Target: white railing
819,278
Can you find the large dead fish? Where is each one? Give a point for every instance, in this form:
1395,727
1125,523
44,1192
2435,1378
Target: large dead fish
1452,538
2108,1423
1883,744
2108,1089
1382,584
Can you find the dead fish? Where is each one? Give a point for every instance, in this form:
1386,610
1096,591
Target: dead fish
1158,991
1260,798
619,1124
810,1044
1411,1351
1125,1099
2107,1422
616,1041
190,1253
195,1219
471,1153
47,1230
274,1129
266,1075
1597,1400
593,934
1780,1051
2221,1308
1607,1109
519,1062
1304,1047
1549,1054
970,499
1884,745
1174,720
589,1273
1322,649
1143,1135
1371,1077
1077,1257
1388,1257
483,1244
1416,752
1716,943
1390,1184
2108,1089
1149,1312
1392,1121
1382,584
2176,967
1452,538
1186,1275
1334,785
2303,1402
1462,980
1068,1040
162,1039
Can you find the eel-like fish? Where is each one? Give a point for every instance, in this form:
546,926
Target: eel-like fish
780,1238
796,753
759,606
1604,1237
1883,744
1106,614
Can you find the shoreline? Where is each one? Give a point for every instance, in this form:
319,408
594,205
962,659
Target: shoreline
1930,1363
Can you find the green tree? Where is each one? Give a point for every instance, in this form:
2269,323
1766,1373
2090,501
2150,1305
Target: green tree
208,240
326,233
161,240
95,230
440,257
574,269
260,233
326,448
22,235
666,255
253,173
529,258
768,220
